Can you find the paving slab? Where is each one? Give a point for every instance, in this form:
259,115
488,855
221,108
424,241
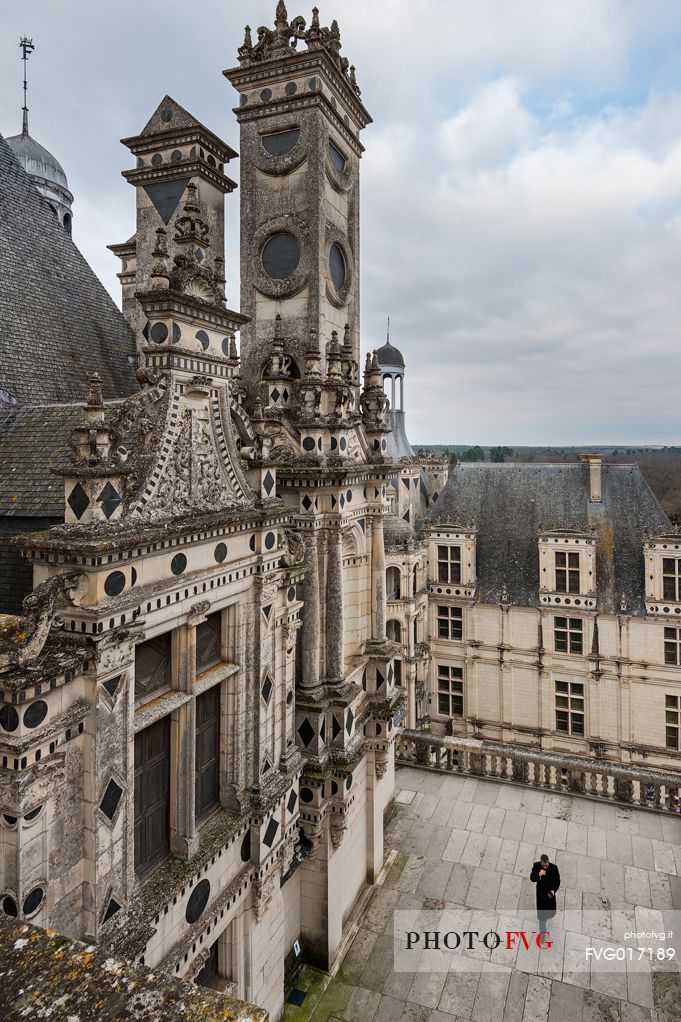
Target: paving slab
467,845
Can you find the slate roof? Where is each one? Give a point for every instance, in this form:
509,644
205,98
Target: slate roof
58,324
510,503
32,438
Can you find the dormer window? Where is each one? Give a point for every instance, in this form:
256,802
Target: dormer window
449,564
663,576
671,579
567,571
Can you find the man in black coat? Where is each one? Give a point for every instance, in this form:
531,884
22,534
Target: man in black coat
547,878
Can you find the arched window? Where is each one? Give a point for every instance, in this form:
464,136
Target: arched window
67,222
394,630
393,588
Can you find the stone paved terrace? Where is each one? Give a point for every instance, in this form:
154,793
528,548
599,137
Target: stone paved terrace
470,843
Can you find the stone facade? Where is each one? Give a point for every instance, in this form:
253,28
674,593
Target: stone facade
199,699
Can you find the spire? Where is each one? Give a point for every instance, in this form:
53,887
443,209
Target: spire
387,336
27,47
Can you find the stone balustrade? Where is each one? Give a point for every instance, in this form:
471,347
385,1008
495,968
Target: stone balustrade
594,778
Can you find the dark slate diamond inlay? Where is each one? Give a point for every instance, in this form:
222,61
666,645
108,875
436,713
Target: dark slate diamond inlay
350,721
266,689
306,732
322,730
166,195
267,611
199,255
307,503
391,675
379,678
292,799
285,394
112,685
335,727
109,498
275,394
78,501
112,797
111,909
270,833
268,482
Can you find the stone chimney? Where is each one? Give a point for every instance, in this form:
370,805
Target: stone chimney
595,463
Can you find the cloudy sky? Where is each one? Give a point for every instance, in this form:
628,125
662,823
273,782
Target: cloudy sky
521,187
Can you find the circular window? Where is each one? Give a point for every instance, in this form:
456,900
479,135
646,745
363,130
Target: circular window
33,901
289,697
9,906
176,156
32,815
220,552
280,255
306,795
348,782
10,820
159,333
35,713
203,339
178,564
114,584
308,443
337,266
198,900
9,718
270,540
291,594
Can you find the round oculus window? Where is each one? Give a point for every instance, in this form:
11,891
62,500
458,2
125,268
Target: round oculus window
198,900
178,564
280,255
33,901
337,266
35,713
9,718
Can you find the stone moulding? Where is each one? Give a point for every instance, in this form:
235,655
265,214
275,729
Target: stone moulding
269,286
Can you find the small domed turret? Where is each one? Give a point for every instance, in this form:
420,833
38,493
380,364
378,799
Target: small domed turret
46,173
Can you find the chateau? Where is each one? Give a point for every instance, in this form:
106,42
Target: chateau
229,584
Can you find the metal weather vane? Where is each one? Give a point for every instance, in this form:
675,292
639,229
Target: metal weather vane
27,47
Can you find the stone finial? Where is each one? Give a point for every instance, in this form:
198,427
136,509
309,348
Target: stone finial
191,205
232,347
347,340
281,17
161,247
94,393
314,341
219,272
245,51
278,336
